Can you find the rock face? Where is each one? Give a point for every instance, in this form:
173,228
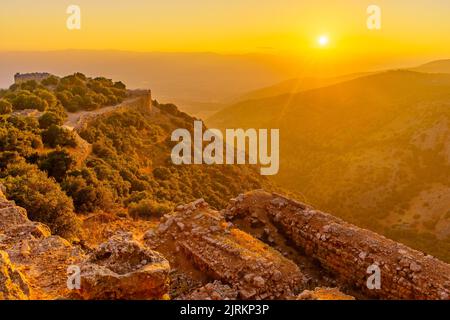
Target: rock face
213,291
320,293
13,285
121,268
196,238
42,258
348,251
212,259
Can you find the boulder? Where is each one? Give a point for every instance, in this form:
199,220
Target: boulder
208,247
321,293
13,285
121,268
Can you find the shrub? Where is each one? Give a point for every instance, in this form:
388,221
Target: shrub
148,208
41,197
57,163
161,173
50,118
88,196
57,136
50,81
5,106
46,95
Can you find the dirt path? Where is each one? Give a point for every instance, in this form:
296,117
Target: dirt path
76,119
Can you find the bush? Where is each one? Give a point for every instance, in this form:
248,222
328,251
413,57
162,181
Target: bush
148,208
88,195
50,81
5,106
57,163
46,95
50,118
41,197
57,136
161,173
26,100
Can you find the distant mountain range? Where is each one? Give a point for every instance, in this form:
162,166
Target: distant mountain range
439,66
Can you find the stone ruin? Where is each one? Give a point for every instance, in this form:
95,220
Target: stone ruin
346,250
256,248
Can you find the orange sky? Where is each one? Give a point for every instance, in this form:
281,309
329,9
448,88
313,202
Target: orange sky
411,30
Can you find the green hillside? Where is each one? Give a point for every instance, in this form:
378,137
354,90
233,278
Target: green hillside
374,150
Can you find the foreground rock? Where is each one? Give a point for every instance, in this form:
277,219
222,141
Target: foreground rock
198,241
212,291
13,285
324,294
348,251
121,268
41,258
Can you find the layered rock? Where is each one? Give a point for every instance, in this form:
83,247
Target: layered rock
42,258
13,285
321,293
213,291
121,268
348,251
197,238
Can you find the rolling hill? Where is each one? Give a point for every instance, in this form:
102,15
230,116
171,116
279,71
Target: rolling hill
374,150
438,66
296,85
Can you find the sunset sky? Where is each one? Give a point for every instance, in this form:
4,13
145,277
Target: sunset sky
414,30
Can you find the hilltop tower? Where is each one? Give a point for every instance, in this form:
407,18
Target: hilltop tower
146,101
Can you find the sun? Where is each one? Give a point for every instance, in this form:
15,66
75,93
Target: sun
323,40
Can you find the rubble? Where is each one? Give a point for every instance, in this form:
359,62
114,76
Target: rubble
321,293
212,291
211,246
348,251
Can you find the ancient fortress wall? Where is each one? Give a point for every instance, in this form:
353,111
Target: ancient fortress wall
348,251
37,76
143,100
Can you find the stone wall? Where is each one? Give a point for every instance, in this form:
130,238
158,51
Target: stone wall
37,76
347,251
197,238
144,103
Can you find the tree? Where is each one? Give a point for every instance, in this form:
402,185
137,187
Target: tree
46,95
29,85
5,106
147,208
88,195
26,100
57,163
58,136
50,81
50,118
42,197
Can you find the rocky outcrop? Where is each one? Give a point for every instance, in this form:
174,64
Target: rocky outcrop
13,285
321,293
212,291
348,251
42,258
196,238
121,268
